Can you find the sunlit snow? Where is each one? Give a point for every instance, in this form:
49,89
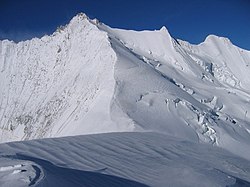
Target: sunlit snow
177,113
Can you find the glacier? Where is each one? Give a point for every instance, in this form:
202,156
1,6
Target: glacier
89,78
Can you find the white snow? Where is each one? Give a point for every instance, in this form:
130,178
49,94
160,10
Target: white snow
88,78
120,159
53,86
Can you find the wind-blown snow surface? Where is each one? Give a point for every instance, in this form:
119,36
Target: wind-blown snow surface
89,78
120,159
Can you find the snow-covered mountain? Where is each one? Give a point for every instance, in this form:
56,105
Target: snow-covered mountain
165,100
89,78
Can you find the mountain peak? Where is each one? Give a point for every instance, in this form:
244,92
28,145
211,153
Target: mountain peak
78,23
82,15
213,38
164,30
79,17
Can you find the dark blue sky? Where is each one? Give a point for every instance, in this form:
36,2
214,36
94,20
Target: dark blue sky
190,20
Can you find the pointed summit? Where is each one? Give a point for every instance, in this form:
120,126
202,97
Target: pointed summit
165,33
163,29
78,22
82,15
79,17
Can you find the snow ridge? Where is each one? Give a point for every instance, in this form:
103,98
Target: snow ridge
52,82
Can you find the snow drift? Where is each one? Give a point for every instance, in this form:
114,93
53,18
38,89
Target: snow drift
120,160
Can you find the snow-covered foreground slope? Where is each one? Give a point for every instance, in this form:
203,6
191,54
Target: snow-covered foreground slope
90,78
120,159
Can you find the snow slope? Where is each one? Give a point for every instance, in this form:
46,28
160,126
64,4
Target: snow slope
170,86
120,159
55,81
89,78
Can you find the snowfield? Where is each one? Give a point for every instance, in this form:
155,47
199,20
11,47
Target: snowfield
175,114
120,159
